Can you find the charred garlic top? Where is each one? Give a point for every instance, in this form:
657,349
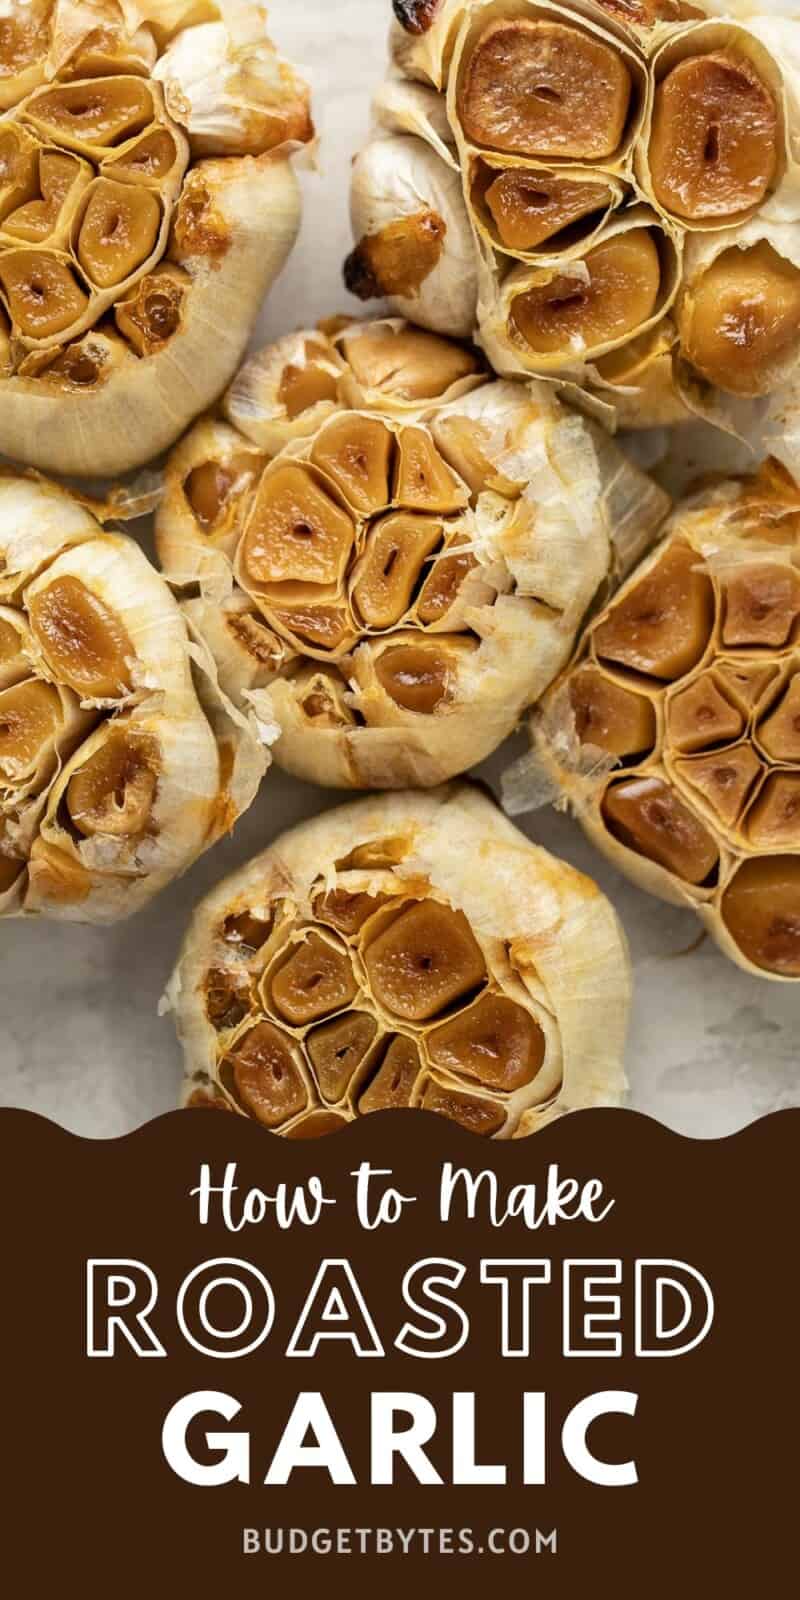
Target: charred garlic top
146,205
675,735
608,190
404,951
120,761
393,553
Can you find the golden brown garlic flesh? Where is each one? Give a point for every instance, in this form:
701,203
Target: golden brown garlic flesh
691,680
713,151
740,322
565,315
112,227
120,760
362,986
531,208
547,89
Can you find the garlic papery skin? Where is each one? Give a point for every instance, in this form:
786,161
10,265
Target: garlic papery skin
415,246
234,96
121,760
409,576
673,736
563,118
136,242
454,967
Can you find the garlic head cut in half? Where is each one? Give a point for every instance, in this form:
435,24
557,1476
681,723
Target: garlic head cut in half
120,759
675,734
598,183
147,203
392,588
404,952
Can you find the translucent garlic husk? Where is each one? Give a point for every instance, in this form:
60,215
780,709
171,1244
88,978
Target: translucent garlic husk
498,999
673,734
138,237
390,591
531,209
121,760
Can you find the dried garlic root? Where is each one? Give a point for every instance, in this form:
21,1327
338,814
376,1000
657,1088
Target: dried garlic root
147,203
606,194
404,951
120,759
675,734
393,553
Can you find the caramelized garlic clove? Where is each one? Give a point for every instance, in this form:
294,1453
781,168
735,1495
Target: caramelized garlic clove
773,822
398,259
154,312
566,315
56,877
649,817
268,1082
83,642
246,932
296,533
387,574
484,1117
118,233
761,911
739,324
779,733
150,159
347,912
317,978
392,1087
610,716
228,999
662,625
99,112
30,718
701,716
422,480
405,363
355,452
415,676
214,488
530,208
495,1041
725,781
44,296
762,604
546,89
114,791
302,388
336,1051
424,961
317,627
713,151
442,586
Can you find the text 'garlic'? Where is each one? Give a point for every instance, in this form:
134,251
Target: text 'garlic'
147,203
406,951
675,734
393,552
605,193
120,759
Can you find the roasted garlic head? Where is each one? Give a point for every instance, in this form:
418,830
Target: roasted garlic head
404,951
120,760
675,734
391,588
607,192
147,203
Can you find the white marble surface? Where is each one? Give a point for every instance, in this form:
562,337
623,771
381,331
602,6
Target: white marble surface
81,1040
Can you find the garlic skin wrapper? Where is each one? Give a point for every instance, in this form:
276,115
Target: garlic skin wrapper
603,147
392,588
675,734
147,204
404,951
120,759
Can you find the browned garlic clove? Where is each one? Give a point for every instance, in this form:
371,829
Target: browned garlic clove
761,911
382,971
740,323
532,208
611,716
545,88
713,151
648,816
663,625
568,315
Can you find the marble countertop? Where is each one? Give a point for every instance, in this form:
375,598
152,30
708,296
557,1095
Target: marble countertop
82,1042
